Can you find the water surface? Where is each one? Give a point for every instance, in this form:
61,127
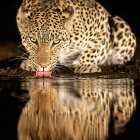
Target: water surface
70,108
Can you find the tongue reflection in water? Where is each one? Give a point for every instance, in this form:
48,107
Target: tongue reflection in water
76,109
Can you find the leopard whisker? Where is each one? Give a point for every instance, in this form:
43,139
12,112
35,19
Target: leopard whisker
24,54
22,57
21,46
17,59
63,66
55,70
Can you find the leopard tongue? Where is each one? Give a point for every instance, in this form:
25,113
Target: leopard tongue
46,74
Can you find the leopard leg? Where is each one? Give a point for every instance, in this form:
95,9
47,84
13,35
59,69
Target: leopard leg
27,65
87,62
123,42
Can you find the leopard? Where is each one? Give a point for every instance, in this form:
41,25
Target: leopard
78,34
82,109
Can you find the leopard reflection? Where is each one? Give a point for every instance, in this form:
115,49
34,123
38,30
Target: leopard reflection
81,109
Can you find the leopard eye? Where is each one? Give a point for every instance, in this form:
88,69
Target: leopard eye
55,42
32,39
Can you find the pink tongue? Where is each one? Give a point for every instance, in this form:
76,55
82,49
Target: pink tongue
46,74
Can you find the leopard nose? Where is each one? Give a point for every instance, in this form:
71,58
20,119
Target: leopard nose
43,65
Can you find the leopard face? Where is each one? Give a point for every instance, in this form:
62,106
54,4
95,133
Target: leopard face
72,33
43,37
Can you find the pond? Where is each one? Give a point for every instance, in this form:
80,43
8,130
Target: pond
70,108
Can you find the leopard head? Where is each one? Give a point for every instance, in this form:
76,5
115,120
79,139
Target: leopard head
42,30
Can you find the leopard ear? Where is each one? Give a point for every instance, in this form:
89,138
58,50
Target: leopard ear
69,10
22,20
28,6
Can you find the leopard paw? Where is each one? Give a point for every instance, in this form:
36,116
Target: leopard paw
27,65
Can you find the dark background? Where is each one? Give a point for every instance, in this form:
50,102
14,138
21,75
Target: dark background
8,8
